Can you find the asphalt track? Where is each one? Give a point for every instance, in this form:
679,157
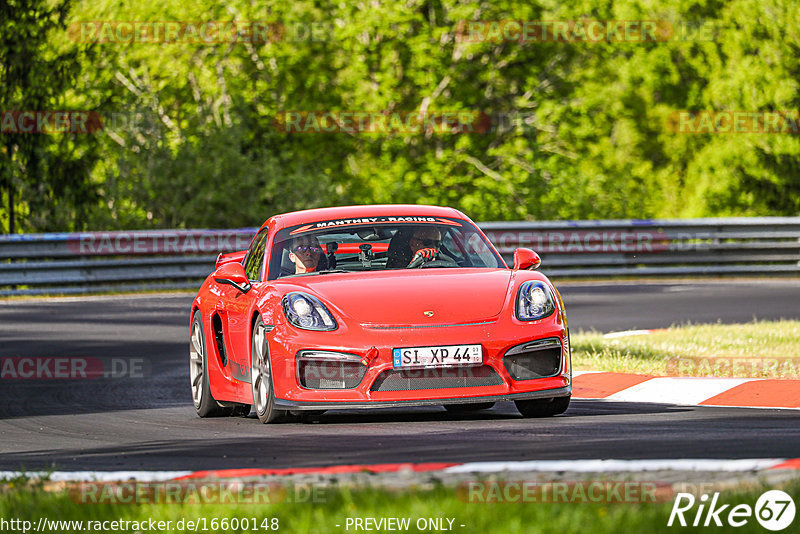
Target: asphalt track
148,422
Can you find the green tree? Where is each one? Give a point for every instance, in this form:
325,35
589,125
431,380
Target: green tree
45,178
580,129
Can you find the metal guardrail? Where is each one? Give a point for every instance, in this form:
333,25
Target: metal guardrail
683,247
172,259
92,262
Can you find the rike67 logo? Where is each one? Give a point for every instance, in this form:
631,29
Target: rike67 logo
774,510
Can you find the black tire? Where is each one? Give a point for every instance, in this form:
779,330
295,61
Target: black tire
204,403
543,407
474,407
261,377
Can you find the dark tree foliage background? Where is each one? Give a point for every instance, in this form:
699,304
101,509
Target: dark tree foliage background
46,181
189,138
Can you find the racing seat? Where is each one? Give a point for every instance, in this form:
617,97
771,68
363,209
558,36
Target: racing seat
398,256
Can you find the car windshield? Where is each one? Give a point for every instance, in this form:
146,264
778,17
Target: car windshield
380,244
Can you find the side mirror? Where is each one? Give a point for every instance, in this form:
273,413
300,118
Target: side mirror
525,258
233,274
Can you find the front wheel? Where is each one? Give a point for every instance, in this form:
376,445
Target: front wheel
204,403
543,407
261,377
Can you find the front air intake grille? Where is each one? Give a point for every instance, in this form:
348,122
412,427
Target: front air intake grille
322,374
535,359
450,377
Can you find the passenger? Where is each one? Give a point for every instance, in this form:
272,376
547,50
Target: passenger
305,253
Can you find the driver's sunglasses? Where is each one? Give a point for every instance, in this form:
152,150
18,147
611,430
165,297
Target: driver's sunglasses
312,249
429,242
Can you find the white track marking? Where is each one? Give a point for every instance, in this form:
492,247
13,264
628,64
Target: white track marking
99,476
683,390
600,466
626,333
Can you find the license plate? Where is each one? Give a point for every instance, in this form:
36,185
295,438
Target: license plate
443,356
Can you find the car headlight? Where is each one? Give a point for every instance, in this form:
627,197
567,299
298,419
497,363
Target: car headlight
307,312
534,301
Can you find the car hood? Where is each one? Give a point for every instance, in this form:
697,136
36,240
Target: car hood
401,298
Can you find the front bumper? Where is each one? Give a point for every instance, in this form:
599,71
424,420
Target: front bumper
543,394
496,337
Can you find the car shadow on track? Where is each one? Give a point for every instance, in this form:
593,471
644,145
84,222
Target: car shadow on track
501,411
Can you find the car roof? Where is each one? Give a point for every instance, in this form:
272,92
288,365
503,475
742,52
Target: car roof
372,210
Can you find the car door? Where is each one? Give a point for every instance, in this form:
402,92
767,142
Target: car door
238,306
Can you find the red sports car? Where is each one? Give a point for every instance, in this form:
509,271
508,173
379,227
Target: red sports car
375,306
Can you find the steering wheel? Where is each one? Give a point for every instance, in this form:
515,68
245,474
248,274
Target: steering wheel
439,261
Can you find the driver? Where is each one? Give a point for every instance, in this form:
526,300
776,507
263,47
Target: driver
305,253
424,243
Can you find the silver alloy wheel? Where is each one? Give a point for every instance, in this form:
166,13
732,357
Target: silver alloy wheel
196,359
261,372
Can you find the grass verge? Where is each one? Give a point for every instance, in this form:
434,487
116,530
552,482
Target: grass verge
330,513
761,349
